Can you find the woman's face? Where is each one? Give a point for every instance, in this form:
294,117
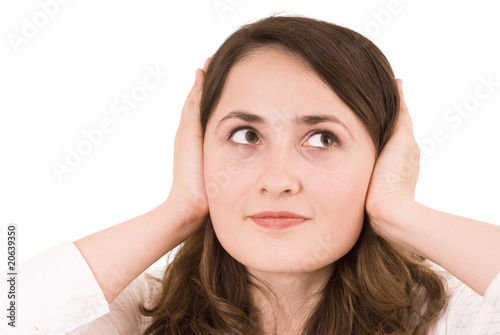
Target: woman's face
287,166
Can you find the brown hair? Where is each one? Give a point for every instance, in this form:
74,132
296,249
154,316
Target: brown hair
376,288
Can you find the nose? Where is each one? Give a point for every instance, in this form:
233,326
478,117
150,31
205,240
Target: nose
279,175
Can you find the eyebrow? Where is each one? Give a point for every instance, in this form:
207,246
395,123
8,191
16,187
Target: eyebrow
309,120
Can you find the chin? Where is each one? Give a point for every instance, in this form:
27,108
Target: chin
284,259
300,249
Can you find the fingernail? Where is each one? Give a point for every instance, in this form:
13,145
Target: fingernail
196,74
400,85
207,61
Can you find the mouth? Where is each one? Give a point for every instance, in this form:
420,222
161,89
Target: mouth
278,220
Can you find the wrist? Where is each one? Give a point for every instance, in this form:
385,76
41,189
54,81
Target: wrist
392,221
188,214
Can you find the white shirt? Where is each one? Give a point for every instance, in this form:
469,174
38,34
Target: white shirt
58,294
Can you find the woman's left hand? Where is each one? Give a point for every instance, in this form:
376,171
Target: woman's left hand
466,248
396,170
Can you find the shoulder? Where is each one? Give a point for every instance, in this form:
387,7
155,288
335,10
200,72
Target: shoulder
466,311
124,316
149,284
141,291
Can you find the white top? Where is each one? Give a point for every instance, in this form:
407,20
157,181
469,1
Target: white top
57,294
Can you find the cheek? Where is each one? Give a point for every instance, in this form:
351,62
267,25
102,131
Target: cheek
339,198
342,185
342,180
228,188
225,181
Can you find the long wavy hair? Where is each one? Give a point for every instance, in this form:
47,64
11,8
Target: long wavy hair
376,288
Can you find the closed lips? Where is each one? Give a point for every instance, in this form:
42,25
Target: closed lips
278,220
281,214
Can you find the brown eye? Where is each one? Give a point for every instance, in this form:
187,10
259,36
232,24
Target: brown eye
251,137
322,140
245,136
327,140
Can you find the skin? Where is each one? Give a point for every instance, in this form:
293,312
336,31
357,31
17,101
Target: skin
466,248
287,166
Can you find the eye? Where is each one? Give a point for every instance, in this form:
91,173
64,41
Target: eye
322,139
244,136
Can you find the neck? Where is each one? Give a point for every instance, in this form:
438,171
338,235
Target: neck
286,300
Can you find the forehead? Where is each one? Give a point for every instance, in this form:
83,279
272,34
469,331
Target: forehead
273,84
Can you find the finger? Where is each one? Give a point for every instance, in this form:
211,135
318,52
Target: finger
403,107
399,82
404,118
206,64
191,106
190,116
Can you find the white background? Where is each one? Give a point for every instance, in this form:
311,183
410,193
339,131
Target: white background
64,79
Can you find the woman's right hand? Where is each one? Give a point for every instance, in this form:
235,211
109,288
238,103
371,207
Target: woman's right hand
159,230
188,193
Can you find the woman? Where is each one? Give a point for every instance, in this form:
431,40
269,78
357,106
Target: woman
294,174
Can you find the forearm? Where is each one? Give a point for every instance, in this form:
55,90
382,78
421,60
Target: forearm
468,249
118,254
